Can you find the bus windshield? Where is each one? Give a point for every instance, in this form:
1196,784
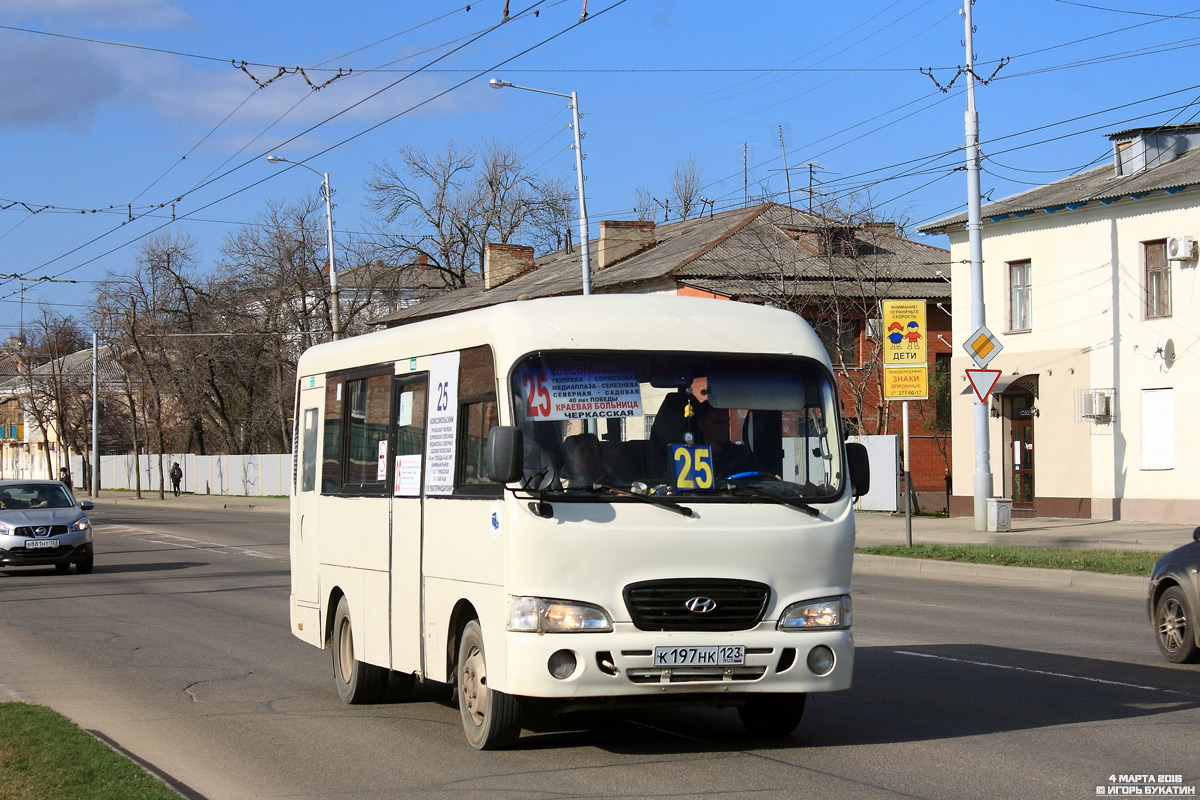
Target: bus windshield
705,425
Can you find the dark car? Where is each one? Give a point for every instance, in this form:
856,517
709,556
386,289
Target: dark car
1174,600
41,523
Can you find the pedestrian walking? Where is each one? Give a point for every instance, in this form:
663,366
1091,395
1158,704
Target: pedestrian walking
64,477
176,477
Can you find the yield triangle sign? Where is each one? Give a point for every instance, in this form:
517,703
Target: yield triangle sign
982,381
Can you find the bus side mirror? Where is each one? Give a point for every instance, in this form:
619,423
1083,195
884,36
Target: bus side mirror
505,454
860,468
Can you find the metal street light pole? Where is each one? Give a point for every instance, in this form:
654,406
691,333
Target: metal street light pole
335,321
585,255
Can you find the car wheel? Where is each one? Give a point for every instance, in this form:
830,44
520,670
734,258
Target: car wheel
84,565
357,683
1173,625
490,719
63,566
772,714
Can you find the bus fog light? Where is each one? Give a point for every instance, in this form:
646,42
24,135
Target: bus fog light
562,664
821,660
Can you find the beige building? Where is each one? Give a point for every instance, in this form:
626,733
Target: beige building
1089,286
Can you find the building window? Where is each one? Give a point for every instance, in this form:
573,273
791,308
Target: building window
841,342
1158,280
1020,292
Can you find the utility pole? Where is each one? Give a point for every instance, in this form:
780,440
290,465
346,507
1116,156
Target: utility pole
983,469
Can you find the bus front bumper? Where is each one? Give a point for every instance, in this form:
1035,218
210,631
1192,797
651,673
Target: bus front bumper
626,663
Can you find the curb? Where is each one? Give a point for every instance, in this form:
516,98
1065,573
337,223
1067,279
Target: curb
992,573
215,502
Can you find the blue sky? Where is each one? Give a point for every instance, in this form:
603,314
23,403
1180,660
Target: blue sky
145,104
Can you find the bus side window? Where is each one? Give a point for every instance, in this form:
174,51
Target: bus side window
331,453
475,422
477,413
308,450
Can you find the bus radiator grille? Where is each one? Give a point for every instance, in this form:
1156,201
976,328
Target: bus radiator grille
700,604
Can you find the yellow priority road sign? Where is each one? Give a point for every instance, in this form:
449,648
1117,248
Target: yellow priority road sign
904,333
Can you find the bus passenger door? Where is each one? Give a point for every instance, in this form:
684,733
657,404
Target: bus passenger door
408,473
308,494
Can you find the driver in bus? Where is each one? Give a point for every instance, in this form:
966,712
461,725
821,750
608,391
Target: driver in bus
585,464
729,458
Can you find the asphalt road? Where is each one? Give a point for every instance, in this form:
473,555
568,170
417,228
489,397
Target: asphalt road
177,649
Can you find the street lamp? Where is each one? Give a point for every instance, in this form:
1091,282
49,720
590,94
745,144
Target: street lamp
496,83
335,322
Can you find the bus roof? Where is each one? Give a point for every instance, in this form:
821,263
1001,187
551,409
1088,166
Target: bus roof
596,322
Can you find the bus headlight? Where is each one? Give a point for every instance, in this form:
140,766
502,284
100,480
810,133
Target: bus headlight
543,615
830,612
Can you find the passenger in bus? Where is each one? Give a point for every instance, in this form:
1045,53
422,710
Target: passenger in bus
729,458
585,465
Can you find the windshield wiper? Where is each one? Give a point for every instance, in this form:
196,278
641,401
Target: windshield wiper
653,500
758,494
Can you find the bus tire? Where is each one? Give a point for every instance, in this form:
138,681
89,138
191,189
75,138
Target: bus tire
491,719
357,683
772,714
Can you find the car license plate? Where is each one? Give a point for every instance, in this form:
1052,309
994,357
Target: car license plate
708,656
41,544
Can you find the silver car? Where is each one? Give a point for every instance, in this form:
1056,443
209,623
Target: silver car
41,524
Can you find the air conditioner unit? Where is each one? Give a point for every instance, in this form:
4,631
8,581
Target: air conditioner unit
1095,405
1181,248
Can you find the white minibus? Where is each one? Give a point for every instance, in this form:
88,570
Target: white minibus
578,503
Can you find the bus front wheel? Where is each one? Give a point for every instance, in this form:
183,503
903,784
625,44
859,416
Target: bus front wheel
772,714
491,719
357,682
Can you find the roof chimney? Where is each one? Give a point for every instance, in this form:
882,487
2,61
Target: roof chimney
503,262
619,239
880,228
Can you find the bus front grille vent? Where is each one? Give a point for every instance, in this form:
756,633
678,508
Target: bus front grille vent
700,604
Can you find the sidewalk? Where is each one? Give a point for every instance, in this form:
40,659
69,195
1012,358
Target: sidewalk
880,528
277,505
1081,534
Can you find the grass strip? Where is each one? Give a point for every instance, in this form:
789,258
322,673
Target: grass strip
44,755
1110,562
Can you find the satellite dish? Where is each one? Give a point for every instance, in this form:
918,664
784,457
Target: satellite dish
1168,352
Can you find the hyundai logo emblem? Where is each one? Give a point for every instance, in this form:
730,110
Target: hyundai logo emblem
700,605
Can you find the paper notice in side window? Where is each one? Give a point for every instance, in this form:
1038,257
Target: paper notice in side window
408,476
558,393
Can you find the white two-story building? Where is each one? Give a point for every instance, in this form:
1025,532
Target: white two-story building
1089,286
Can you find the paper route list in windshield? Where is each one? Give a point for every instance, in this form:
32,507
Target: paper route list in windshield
559,393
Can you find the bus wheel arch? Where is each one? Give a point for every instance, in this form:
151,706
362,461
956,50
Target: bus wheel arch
491,719
357,682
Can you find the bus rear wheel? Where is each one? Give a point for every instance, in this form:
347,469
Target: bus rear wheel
357,683
491,719
772,714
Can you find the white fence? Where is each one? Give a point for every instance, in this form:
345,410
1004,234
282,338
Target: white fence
245,476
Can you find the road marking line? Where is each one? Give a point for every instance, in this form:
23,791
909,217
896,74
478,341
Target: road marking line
190,544
1046,673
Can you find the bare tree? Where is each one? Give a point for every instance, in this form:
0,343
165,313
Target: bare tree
645,207
686,184
444,207
50,392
